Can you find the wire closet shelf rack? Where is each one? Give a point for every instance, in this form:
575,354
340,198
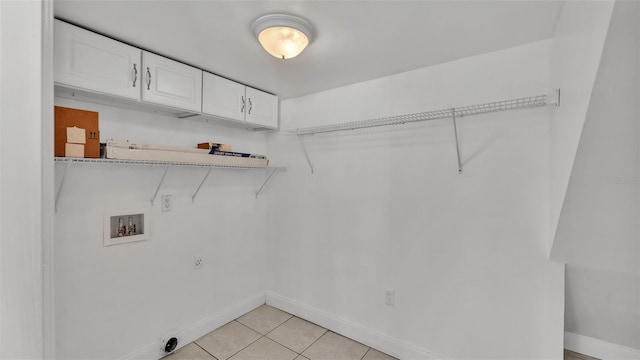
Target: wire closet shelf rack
157,163
271,170
453,113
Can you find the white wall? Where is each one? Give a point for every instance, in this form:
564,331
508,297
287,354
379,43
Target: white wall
578,42
386,208
113,301
599,229
21,196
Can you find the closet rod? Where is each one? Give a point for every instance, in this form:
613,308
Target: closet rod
521,103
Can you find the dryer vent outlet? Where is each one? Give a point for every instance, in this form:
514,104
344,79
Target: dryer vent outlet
171,345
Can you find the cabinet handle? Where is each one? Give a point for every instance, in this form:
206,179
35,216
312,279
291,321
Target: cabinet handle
135,75
243,104
250,105
148,78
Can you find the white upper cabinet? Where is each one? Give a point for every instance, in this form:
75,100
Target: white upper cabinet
233,101
222,97
261,109
94,62
100,65
170,83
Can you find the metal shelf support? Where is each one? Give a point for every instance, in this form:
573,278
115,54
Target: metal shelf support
155,194
166,165
455,132
64,177
304,149
193,197
266,181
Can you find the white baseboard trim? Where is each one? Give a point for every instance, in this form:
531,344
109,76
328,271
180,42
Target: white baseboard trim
384,343
598,348
200,328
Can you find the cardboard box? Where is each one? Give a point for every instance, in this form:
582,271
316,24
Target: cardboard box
87,120
217,146
74,150
76,135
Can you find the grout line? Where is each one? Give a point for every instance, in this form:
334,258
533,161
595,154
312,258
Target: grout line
261,336
236,353
272,330
236,320
315,341
284,346
365,354
203,349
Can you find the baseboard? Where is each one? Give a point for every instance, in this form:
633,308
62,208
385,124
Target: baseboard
598,348
200,328
384,343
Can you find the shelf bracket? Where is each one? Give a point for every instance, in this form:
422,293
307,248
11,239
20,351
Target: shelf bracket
304,149
455,131
64,177
193,197
266,181
155,194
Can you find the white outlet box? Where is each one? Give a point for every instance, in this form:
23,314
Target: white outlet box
390,297
166,203
198,262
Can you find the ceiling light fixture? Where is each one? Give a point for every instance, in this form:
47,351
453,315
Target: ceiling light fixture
283,36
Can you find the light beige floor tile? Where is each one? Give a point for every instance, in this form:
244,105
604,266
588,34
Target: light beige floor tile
265,349
568,354
374,354
296,334
334,346
227,340
190,352
300,357
264,319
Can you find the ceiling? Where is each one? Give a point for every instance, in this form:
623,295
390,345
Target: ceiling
356,40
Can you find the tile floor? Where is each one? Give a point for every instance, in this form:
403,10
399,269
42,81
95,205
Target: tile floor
570,355
267,333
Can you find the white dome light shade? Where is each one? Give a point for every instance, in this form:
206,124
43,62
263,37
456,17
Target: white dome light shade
283,36
283,42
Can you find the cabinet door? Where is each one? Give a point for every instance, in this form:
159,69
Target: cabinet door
93,62
222,97
170,83
262,109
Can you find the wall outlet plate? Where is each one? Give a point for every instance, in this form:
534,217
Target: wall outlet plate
198,262
390,297
165,203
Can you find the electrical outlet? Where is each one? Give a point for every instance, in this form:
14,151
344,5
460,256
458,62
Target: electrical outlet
390,297
198,262
166,203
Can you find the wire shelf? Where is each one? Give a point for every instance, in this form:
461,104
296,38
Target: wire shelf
271,170
521,103
157,163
